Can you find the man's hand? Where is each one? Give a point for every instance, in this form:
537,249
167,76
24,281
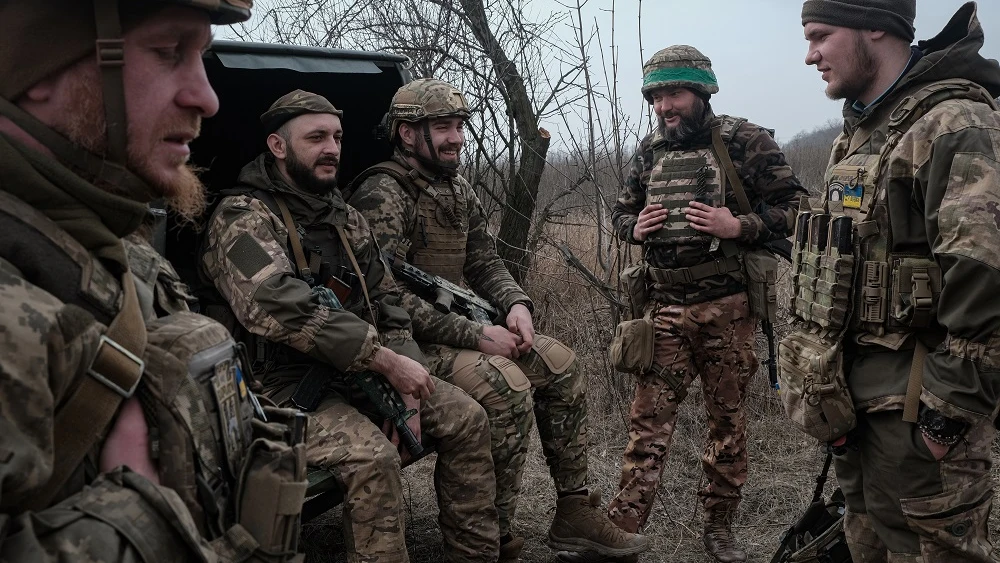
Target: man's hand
498,341
519,322
128,443
651,219
404,374
937,450
413,423
716,221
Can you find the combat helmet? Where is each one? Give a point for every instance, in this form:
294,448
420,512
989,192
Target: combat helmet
679,66
82,27
420,101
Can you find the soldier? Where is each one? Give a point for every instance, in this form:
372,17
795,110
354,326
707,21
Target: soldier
680,204
420,196
125,420
917,167
274,245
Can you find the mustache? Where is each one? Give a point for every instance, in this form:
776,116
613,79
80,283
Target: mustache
327,161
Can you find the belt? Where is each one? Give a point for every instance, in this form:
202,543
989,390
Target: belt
675,276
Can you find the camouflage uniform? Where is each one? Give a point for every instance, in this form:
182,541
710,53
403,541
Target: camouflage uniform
504,387
933,190
247,255
66,274
701,326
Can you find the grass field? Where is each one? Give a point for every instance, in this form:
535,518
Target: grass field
784,463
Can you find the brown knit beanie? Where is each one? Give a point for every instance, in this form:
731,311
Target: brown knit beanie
892,16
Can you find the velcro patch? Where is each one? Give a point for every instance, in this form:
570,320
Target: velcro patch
248,256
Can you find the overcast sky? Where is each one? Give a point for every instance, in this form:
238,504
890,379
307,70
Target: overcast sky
757,51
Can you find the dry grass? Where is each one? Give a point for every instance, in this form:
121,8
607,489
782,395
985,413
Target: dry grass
783,462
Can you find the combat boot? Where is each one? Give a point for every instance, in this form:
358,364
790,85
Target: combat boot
581,525
510,552
718,538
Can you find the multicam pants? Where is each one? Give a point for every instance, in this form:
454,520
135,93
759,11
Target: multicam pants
367,466
905,506
712,339
547,374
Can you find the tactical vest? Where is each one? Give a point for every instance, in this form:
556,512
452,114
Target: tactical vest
439,233
193,387
874,290
681,176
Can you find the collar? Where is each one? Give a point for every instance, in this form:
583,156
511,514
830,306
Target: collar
915,55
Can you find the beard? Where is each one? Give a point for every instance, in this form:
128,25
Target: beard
85,125
692,122
437,164
305,176
859,75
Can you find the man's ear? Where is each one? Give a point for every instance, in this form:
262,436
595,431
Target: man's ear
277,145
408,134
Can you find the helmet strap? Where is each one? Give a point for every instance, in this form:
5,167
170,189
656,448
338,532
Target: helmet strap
111,62
433,164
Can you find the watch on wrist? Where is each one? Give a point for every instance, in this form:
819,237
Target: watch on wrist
939,428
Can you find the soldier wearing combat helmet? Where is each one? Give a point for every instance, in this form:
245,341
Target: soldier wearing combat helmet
681,205
302,274
915,179
127,424
420,197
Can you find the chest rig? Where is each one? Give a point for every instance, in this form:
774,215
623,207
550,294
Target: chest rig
439,233
846,274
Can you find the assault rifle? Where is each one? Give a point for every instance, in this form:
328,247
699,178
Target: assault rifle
782,248
445,295
387,400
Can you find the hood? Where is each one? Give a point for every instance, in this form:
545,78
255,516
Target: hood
954,53
262,173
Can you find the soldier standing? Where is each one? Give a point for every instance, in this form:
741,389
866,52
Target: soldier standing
917,165
274,246
115,443
420,208
679,204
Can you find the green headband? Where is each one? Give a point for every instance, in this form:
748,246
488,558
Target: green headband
682,74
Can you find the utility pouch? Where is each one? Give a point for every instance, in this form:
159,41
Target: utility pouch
915,291
633,279
272,488
631,348
310,390
813,387
761,278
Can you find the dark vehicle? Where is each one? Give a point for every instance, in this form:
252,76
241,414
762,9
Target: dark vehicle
248,77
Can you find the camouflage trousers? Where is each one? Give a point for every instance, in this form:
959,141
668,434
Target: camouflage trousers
905,506
343,439
714,340
120,517
543,387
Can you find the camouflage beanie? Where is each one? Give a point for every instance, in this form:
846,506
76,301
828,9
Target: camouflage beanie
294,104
679,66
41,37
892,16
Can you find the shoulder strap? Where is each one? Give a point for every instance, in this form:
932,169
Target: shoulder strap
111,378
722,153
357,270
296,242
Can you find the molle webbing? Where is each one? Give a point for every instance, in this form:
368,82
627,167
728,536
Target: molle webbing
692,274
677,178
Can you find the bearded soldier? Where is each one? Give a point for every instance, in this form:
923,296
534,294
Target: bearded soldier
914,181
703,191
423,211
275,246
126,426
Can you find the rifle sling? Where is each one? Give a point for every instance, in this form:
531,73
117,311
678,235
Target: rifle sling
722,153
293,237
113,376
357,270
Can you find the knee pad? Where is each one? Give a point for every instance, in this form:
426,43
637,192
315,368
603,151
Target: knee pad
558,357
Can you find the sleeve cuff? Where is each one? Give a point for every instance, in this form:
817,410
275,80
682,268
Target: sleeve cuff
949,410
748,229
367,352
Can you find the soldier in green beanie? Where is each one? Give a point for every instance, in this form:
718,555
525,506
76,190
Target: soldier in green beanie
916,172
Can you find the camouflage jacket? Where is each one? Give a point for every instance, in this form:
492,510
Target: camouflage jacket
769,183
47,345
248,257
941,188
391,210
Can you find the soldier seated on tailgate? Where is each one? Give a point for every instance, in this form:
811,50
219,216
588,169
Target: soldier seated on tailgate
302,273
419,197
